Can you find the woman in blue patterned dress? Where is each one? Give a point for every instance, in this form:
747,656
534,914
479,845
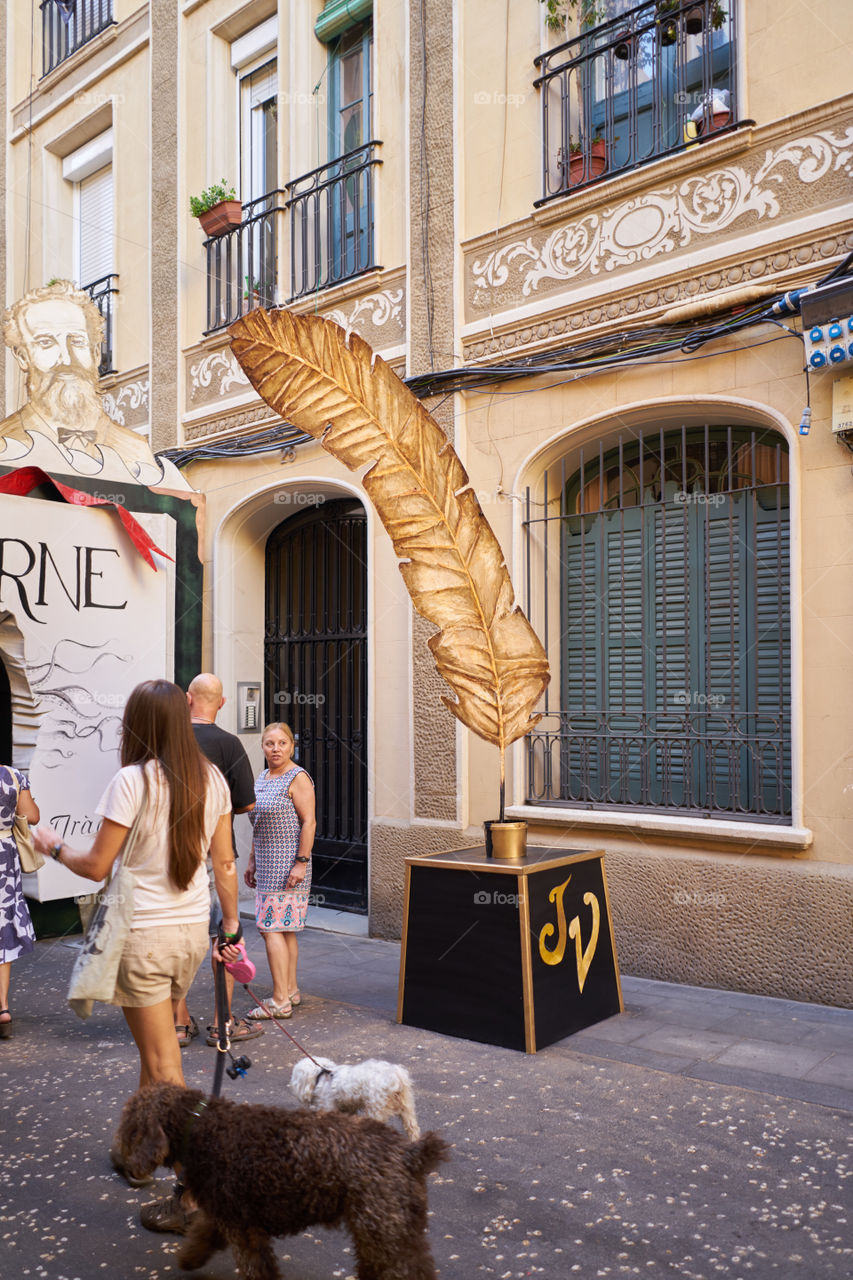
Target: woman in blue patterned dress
17,936
279,870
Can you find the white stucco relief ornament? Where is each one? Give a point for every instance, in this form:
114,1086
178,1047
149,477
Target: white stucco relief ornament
661,222
124,399
219,368
377,309
55,335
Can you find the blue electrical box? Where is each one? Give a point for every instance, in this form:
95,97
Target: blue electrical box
827,314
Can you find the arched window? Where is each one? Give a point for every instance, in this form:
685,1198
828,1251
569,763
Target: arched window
674,607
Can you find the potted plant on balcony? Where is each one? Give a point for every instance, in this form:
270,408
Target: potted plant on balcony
627,43
665,11
694,18
557,13
713,112
585,161
217,209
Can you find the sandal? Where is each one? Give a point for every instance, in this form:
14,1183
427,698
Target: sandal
296,998
6,1027
237,1031
187,1032
260,1014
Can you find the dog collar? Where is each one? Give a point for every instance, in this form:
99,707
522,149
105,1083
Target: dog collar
191,1119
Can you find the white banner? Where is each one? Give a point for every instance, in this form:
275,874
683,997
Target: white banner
83,619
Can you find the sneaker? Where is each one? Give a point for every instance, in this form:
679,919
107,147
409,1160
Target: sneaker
167,1215
118,1165
237,1031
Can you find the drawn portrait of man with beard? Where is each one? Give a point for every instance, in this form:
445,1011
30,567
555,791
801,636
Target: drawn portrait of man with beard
55,334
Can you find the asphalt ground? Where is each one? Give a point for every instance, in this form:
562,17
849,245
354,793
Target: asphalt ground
700,1134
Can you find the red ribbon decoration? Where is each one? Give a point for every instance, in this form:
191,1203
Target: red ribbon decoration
22,481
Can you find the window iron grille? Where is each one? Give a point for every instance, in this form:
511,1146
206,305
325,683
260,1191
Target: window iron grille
242,264
102,293
332,222
66,25
648,83
658,574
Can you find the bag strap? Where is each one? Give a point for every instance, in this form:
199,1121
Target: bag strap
132,838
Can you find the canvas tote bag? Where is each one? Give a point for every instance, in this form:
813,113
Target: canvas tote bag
29,859
96,967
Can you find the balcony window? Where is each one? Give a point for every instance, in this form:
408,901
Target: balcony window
102,293
331,208
66,25
648,82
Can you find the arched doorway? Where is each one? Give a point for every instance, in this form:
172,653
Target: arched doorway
315,661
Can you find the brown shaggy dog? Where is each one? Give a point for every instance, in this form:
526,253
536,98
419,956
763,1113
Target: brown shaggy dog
257,1172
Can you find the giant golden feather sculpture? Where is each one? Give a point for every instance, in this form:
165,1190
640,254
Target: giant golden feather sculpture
337,390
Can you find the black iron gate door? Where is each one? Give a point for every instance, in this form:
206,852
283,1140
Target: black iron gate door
315,656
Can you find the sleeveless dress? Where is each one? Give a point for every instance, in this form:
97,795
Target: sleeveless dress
276,829
17,935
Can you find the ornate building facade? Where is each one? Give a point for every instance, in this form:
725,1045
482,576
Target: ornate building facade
577,245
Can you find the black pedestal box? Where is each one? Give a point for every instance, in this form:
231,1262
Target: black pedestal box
516,954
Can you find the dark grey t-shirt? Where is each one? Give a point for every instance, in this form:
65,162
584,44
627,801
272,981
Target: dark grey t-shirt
226,751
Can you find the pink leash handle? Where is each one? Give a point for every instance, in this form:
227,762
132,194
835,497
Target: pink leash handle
243,969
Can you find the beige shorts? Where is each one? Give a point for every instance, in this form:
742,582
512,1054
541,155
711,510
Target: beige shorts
160,964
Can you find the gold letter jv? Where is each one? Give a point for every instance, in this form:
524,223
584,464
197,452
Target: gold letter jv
555,956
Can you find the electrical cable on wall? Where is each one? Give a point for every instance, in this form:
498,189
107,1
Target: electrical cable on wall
595,355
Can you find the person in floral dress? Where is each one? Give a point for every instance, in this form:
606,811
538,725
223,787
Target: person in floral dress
283,823
17,935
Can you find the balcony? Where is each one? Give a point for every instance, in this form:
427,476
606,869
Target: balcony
242,264
102,293
654,81
66,25
332,222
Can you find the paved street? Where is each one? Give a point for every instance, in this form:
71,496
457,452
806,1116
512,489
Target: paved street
701,1134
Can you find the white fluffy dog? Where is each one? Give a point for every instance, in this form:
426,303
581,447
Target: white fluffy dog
372,1088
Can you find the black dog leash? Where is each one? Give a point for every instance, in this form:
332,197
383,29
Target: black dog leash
224,1044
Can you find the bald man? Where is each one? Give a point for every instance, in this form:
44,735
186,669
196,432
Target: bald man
226,751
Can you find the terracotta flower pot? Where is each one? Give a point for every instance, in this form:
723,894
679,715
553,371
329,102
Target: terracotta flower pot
719,120
597,163
223,217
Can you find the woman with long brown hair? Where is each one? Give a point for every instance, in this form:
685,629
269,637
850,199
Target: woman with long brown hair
185,807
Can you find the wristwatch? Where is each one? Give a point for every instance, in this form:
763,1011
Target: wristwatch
299,859
56,849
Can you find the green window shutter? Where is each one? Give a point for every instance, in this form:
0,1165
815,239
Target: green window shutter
672,660
770,678
677,659
581,763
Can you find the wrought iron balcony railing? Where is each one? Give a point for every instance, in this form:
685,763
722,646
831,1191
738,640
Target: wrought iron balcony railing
66,25
242,264
102,293
332,221
657,79
719,764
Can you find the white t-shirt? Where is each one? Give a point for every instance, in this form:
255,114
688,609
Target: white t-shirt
157,901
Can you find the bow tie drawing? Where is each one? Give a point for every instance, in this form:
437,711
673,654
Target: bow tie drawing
76,437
